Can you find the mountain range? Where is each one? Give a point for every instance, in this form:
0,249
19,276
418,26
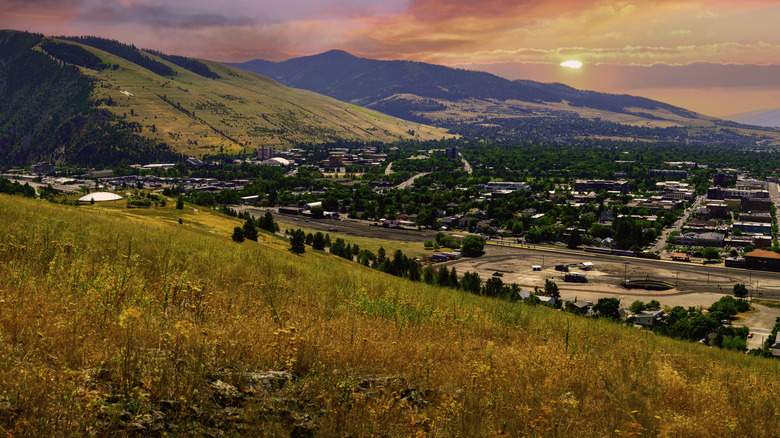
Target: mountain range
433,92
454,98
91,100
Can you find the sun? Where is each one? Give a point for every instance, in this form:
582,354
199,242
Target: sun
571,64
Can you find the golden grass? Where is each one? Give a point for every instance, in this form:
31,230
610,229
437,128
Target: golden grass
164,308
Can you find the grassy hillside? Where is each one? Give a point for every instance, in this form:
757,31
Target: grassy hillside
71,103
238,111
116,319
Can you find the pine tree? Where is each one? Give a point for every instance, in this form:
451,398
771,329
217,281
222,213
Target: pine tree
238,234
453,278
250,232
298,242
318,242
444,276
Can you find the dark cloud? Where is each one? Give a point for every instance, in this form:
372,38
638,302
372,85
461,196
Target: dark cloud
160,16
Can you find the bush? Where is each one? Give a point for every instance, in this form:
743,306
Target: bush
473,246
637,306
740,290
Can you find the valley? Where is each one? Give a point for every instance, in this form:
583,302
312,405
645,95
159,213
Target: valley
373,248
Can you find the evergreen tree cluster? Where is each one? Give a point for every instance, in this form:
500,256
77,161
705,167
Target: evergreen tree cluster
73,54
128,52
249,230
14,188
190,64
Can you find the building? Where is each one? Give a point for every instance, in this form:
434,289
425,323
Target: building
194,162
596,185
335,161
43,167
579,306
725,192
265,153
675,190
452,152
776,346
756,216
752,227
756,204
718,210
763,260
722,180
649,318
503,186
668,173
101,173
700,239
276,161
751,184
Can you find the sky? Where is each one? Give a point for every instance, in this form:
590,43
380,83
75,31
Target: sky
716,57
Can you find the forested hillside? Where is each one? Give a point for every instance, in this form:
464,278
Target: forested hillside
47,113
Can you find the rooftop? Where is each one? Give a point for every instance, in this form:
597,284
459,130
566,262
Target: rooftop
760,253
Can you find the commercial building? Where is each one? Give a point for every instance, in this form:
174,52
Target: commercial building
763,260
725,192
668,173
752,227
700,239
500,186
265,153
596,185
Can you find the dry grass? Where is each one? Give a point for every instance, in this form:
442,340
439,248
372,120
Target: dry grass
163,308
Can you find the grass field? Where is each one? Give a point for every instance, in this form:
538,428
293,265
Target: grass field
114,320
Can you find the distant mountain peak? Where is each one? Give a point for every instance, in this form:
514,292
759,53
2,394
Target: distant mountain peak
337,52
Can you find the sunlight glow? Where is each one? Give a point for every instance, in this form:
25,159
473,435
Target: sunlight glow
571,64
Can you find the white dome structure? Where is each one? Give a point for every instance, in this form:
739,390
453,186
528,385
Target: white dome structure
99,197
276,161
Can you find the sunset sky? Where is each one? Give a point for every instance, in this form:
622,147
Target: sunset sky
715,57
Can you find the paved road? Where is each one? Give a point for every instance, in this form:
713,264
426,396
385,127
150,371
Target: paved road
677,226
408,183
466,165
35,185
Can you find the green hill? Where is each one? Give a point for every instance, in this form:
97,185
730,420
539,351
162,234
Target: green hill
70,102
117,320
